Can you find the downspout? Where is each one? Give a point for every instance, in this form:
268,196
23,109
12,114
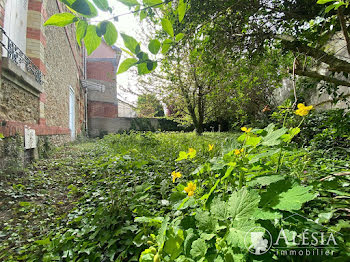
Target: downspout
86,92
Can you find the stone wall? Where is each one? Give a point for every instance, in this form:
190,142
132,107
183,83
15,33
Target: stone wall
12,153
100,126
16,104
64,68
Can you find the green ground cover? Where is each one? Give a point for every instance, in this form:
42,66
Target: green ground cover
176,197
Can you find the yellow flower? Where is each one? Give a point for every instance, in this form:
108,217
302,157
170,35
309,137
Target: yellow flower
191,187
175,175
247,130
303,110
191,153
211,146
237,151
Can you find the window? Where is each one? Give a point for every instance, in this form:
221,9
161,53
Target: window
15,23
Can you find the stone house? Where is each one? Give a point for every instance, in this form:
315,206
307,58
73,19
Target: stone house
42,100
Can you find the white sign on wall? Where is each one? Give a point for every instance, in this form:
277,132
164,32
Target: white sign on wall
29,138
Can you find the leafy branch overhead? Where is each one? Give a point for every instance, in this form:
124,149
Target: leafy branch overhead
82,10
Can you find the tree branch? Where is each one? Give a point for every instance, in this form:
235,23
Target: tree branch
314,74
343,27
337,64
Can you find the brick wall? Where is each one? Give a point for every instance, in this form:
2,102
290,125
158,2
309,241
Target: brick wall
102,109
100,70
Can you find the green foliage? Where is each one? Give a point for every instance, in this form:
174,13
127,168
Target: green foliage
102,4
181,10
81,30
129,2
131,44
91,39
82,7
149,106
336,5
124,206
126,64
167,27
111,34
61,19
154,46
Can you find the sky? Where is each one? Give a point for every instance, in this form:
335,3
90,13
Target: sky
128,24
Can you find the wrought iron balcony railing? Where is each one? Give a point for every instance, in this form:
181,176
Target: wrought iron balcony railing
20,59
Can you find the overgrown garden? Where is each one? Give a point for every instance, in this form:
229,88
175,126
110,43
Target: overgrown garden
182,197
275,188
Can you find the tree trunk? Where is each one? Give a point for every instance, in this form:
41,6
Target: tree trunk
200,105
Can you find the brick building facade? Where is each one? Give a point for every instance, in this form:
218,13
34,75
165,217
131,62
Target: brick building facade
41,69
101,85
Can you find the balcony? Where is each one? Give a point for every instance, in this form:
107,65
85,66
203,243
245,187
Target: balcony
19,58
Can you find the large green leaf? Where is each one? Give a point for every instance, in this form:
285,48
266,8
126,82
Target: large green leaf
265,180
179,37
130,43
82,7
152,2
111,34
174,243
161,237
257,157
322,2
154,46
205,221
199,248
267,215
146,67
129,2
91,39
61,19
218,209
168,27
181,10
238,232
294,198
102,4
242,204
273,137
286,195
80,32
166,45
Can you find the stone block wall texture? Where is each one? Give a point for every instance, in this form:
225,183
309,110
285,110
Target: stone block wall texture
63,71
16,104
